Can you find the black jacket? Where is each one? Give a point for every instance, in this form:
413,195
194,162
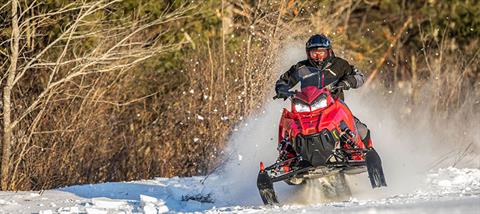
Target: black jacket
308,74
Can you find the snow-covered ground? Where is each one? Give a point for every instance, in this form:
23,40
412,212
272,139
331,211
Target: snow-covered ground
416,182
449,190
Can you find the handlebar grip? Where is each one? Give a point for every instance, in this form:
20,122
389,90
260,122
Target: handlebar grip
335,88
290,94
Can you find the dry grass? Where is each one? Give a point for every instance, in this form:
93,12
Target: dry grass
141,124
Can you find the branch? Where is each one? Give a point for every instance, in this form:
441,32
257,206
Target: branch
5,5
389,51
123,54
82,71
45,16
118,104
72,27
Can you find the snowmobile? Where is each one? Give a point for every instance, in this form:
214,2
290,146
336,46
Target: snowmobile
318,138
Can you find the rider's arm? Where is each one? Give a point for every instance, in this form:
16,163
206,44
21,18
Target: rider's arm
352,76
287,80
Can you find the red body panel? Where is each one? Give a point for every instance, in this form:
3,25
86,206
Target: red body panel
307,123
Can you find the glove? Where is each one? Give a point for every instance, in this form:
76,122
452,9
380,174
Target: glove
343,85
282,92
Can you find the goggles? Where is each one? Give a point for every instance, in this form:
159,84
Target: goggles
319,54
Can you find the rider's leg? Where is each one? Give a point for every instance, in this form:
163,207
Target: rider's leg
285,150
364,133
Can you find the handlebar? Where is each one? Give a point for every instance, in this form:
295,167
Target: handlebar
334,88
290,94
330,87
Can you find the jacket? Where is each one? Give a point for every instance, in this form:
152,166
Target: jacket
335,71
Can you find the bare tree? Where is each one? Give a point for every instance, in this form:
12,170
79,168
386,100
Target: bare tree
116,47
7,91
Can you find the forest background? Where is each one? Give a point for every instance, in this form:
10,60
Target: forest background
96,91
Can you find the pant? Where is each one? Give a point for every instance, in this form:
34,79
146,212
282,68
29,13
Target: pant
364,132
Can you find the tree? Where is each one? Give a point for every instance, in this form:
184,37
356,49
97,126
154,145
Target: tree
83,41
7,91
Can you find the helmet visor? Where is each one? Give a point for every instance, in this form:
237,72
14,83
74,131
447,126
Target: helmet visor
318,54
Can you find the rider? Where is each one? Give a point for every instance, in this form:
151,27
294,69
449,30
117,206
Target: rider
323,62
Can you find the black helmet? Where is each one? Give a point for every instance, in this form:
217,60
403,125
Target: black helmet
318,41
319,49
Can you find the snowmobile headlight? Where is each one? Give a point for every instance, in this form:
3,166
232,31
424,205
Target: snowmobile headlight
321,102
301,107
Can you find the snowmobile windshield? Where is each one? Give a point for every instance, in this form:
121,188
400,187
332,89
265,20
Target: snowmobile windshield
328,80
311,76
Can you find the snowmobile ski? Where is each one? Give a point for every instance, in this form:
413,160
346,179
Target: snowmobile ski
374,168
265,187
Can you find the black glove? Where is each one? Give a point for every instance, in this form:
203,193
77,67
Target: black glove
344,85
282,92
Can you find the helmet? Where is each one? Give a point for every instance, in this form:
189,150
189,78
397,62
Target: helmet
319,49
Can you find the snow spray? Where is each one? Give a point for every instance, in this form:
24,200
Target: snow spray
408,148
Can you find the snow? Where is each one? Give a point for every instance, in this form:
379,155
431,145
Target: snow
447,190
153,205
108,203
454,180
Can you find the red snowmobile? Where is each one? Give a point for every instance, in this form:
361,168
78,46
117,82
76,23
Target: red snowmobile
318,139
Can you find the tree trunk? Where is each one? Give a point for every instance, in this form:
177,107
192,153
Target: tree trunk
7,108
